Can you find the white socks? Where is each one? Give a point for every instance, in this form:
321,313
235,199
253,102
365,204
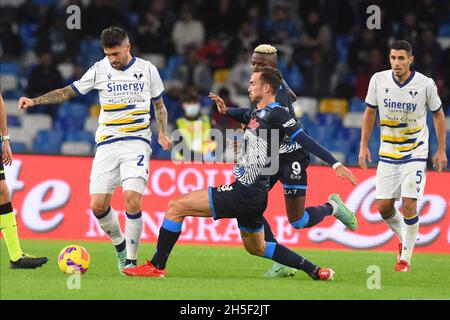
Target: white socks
133,231
109,222
396,224
411,228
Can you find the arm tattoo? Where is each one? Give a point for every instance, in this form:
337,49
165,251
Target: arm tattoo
161,115
56,96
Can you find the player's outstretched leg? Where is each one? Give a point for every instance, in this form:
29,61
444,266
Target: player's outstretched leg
277,270
342,213
254,243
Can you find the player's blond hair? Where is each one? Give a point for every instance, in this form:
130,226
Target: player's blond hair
265,49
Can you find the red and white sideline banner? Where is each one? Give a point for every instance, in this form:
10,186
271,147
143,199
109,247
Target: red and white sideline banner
50,195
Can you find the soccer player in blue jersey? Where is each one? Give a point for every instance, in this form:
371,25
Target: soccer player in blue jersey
246,198
127,86
292,173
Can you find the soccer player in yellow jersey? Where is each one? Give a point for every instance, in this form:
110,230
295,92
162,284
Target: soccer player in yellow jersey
127,86
402,98
8,224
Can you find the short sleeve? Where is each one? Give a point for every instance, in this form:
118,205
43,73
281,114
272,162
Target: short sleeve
371,98
156,84
433,101
86,82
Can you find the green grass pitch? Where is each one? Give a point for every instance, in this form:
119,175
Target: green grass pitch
228,273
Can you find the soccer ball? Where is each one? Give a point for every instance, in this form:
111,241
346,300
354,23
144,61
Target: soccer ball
74,258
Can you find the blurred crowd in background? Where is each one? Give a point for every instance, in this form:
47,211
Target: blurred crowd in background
326,54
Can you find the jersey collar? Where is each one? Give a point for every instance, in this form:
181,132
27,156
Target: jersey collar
401,85
129,63
273,105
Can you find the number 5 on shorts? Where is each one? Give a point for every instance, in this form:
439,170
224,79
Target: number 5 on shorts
141,158
419,175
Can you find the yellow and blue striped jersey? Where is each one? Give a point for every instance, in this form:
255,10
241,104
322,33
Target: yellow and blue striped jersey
403,114
125,98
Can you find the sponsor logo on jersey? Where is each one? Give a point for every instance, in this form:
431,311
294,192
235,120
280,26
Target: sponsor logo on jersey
405,106
289,123
130,86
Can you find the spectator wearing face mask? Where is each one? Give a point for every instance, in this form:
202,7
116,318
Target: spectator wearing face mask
194,130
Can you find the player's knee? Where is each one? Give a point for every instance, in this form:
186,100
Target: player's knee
133,205
385,209
4,193
409,208
99,208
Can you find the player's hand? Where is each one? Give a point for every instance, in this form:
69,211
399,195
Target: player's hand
164,141
363,154
440,160
7,156
221,107
344,173
25,103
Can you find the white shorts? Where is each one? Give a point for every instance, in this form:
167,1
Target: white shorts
400,180
121,163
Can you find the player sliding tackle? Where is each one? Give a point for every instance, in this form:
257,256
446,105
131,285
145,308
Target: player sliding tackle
246,198
293,167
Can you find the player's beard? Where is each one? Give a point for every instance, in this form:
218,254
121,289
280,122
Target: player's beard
255,99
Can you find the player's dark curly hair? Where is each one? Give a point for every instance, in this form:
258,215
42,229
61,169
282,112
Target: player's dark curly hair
271,76
402,45
113,36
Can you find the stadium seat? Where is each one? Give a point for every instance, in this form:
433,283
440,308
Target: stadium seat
444,30
35,122
66,69
9,82
357,105
329,120
221,75
78,136
13,121
339,106
353,120
28,33
21,135
9,67
308,105
71,116
76,148
48,141
70,109
12,108
19,147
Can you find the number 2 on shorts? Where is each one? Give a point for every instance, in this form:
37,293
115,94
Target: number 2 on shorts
140,161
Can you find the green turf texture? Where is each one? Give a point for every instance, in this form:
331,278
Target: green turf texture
229,273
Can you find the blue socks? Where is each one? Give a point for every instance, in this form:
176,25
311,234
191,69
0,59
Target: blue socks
168,235
313,216
287,257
